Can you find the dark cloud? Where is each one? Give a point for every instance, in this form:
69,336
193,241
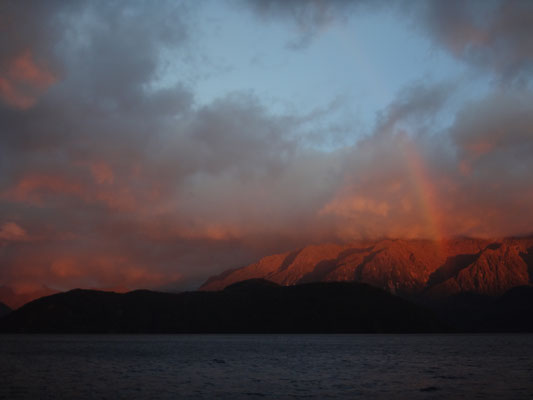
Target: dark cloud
117,182
417,104
491,35
311,16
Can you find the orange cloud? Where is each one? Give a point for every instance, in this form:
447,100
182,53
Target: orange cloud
477,149
65,268
10,231
24,69
11,95
23,81
33,187
102,173
107,270
351,206
90,266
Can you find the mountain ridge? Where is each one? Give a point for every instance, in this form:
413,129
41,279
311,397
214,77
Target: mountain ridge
407,267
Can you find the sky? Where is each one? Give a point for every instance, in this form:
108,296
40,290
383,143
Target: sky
154,144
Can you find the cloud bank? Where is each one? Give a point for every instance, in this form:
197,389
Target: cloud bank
111,179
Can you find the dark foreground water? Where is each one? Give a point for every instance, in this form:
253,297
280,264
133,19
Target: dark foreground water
268,366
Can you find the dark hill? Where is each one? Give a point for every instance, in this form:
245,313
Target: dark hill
4,310
251,285
512,312
255,306
472,312
463,311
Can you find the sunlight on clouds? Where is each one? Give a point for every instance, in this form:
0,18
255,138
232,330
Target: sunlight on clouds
10,231
23,81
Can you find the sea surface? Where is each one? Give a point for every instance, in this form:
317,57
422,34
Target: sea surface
266,366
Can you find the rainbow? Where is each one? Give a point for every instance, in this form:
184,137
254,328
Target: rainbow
425,192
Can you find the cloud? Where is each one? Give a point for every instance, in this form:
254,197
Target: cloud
499,123
474,178
491,35
23,81
10,231
122,180
309,16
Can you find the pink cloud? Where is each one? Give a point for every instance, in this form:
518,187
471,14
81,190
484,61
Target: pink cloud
24,81
10,231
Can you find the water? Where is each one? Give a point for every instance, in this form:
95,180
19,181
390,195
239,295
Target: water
266,366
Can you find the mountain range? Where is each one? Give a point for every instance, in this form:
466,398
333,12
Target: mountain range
386,285
416,269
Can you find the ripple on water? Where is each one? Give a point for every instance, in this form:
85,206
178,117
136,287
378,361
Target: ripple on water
270,366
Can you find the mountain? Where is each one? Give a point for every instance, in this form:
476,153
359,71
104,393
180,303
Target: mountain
14,300
4,310
250,306
410,268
